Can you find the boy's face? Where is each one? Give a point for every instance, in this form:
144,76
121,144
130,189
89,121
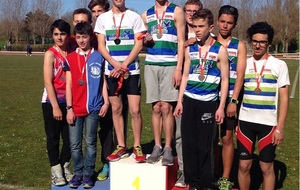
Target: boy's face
119,3
190,9
96,11
83,41
59,37
78,18
259,44
202,28
226,24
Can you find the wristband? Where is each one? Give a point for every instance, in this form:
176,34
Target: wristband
278,131
69,107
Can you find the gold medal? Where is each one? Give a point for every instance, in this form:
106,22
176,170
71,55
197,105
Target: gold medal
257,90
126,75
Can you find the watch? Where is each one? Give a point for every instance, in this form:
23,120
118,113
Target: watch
69,107
234,101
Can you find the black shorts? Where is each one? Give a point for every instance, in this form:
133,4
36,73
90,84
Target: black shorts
130,86
246,138
231,122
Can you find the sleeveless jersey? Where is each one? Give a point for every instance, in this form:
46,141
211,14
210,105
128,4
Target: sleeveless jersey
164,51
86,98
207,90
59,78
232,50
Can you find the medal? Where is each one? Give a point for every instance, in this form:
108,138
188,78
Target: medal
257,90
80,82
159,35
201,77
117,41
126,75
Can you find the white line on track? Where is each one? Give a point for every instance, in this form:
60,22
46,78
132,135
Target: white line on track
295,84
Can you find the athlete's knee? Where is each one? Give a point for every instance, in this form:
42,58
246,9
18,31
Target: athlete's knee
135,112
266,168
245,166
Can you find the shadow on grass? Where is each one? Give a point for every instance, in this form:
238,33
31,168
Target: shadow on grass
256,173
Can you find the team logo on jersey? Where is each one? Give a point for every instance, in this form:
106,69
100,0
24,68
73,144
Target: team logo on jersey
95,70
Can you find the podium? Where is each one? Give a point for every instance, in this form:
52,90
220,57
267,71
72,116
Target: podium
129,175
126,174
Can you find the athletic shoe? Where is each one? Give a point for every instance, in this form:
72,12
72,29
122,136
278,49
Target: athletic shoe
68,173
87,182
155,155
224,184
168,158
103,175
138,154
75,182
180,182
57,176
120,152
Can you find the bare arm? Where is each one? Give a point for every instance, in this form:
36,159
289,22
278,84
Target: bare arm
70,112
240,72
180,25
187,62
105,105
224,68
102,49
48,82
283,110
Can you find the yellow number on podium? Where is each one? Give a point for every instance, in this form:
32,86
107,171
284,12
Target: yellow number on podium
136,183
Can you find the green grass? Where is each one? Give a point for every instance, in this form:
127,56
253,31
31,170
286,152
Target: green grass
23,158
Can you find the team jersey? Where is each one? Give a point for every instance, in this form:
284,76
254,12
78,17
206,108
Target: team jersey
59,77
131,23
208,89
232,50
86,72
164,51
262,107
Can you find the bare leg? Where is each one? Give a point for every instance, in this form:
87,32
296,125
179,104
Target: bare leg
227,153
244,174
268,175
134,102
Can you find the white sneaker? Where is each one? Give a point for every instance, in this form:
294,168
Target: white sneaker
57,176
68,173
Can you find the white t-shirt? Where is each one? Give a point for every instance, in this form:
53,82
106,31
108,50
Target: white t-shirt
131,24
262,107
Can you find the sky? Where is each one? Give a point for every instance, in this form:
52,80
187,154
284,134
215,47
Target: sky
139,5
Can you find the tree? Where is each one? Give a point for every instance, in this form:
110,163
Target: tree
13,11
82,3
38,23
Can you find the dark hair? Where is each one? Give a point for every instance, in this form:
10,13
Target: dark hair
83,28
61,25
261,28
204,14
193,2
103,3
230,10
83,11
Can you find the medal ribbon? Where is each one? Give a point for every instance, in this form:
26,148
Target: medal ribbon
119,27
159,21
120,81
257,78
81,67
202,63
230,38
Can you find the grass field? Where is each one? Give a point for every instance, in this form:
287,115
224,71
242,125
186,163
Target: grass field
23,158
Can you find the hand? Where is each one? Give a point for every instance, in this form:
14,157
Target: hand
219,116
57,114
191,41
231,110
277,138
177,76
115,74
70,117
178,110
103,110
